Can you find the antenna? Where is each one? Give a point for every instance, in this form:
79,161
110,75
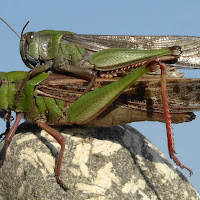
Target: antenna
24,28
10,28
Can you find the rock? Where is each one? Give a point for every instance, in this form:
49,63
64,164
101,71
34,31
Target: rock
98,164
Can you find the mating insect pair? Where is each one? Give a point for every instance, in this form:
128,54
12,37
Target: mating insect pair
87,56
45,105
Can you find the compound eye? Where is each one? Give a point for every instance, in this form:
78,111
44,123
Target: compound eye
30,37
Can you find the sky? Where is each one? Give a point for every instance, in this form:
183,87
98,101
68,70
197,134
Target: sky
112,17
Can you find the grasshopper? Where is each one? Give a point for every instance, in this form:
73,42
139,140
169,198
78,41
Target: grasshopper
46,110
44,102
87,56
108,56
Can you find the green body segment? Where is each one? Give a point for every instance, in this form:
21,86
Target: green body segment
90,105
33,106
40,105
3,92
53,109
47,108
67,51
54,45
26,99
110,59
10,86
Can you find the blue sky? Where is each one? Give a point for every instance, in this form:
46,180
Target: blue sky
114,17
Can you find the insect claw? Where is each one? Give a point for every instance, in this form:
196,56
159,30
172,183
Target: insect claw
62,185
178,163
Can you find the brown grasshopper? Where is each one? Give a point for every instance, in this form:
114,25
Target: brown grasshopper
57,100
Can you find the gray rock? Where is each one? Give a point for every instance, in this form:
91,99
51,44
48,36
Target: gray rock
99,164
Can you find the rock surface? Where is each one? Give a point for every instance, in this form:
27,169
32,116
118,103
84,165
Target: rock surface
99,164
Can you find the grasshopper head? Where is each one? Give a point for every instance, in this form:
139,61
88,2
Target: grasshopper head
29,49
39,47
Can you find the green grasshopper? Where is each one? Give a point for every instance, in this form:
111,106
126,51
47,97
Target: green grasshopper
47,108
90,56
84,55
50,49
